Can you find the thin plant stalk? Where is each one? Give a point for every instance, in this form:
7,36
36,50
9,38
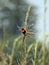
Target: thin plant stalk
24,38
13,50
26,21
44,41
35,53
27,15
3,44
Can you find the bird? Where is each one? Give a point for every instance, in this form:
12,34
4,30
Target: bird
25,32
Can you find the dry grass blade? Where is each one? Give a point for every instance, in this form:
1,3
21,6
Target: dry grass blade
44,41
35,54
27,15
14,44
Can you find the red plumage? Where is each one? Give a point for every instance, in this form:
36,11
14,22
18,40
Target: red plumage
23,31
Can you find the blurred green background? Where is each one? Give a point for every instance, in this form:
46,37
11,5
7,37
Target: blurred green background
13,50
